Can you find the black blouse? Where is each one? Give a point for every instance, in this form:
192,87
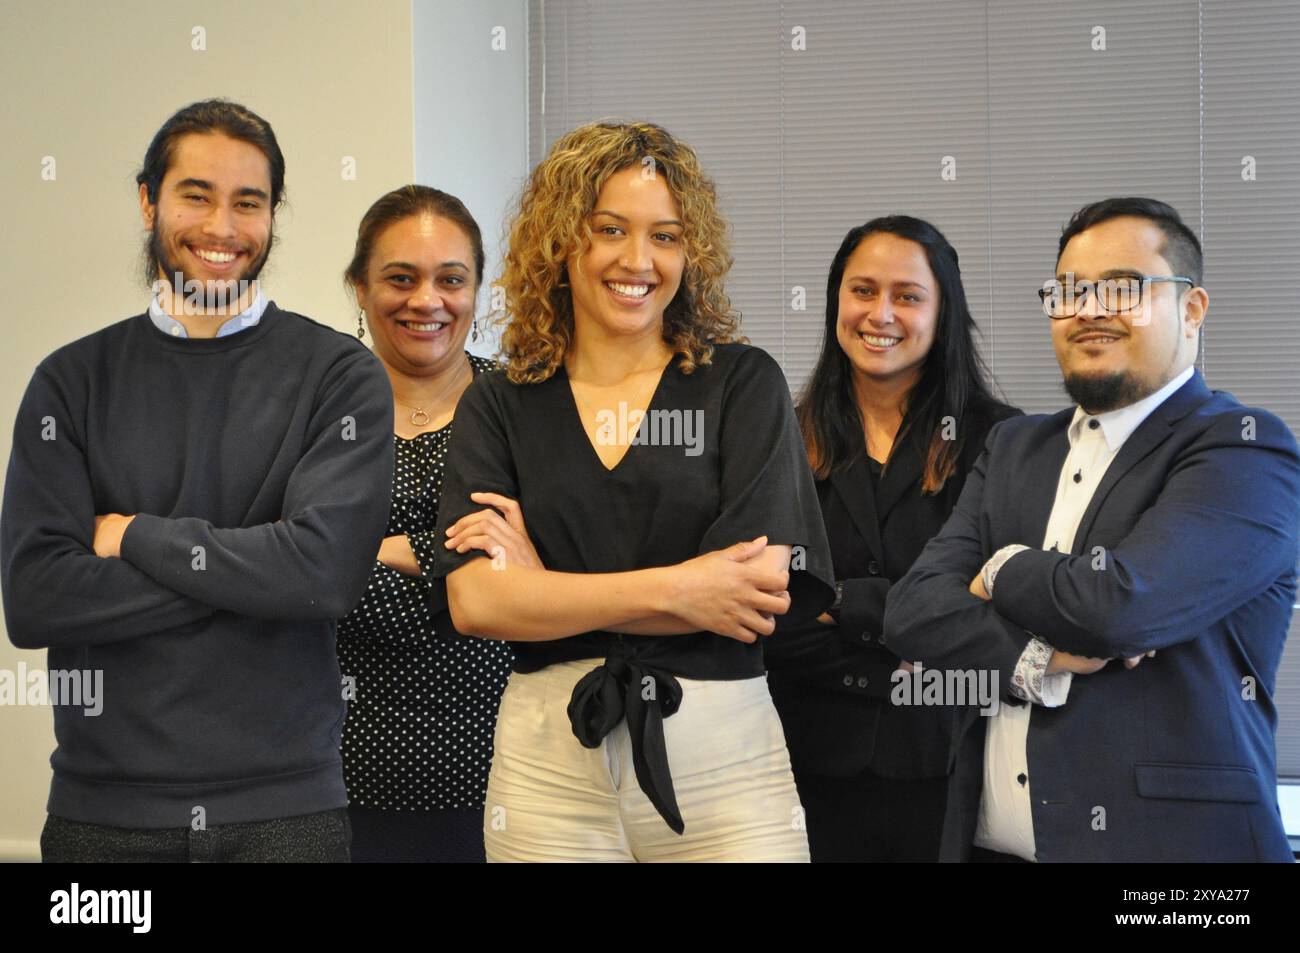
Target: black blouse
717,460
419,728
875,468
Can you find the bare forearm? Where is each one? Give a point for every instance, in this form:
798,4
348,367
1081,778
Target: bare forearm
525,604
395,552
667,623
663,623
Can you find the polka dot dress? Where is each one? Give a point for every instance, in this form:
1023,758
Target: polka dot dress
419,730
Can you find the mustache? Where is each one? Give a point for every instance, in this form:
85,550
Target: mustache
1116,332
157,259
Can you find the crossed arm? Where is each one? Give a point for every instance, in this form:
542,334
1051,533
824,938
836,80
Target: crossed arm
61,588
1222,529
734,592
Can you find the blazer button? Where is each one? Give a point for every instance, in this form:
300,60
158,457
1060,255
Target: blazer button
881,638
1022,779
848,681
873,567
866,636
862,681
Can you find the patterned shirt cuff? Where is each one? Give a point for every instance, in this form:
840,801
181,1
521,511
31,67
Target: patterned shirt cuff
1031,682
995,563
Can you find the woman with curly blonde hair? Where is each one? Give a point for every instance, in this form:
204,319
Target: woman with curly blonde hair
555,214
671,517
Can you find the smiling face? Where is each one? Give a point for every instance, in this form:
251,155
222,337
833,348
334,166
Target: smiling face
888,308
212,222
1111,361
624,281
419,293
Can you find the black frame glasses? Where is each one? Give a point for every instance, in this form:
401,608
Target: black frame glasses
1109,293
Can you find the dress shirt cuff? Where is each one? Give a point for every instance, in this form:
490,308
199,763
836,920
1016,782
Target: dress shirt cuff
1031,682
990,570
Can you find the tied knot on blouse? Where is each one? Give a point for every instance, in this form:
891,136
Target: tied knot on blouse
645,695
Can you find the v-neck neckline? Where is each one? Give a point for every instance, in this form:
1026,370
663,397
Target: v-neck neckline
593,453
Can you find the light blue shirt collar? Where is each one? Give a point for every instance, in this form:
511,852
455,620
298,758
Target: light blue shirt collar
168,325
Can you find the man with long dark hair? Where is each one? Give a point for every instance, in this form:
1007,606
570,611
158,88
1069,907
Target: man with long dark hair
1128,568
195,495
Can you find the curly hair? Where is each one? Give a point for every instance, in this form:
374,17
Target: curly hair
552,224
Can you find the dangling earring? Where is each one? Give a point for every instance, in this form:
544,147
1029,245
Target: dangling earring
361,324
474,329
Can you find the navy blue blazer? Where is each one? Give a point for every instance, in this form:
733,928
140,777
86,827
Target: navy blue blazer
1189,546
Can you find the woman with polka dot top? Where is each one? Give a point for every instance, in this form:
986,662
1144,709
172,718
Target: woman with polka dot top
422,699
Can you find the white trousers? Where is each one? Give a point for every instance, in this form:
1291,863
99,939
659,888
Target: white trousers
551,799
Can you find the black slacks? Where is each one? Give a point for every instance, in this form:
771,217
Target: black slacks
870,819
444,836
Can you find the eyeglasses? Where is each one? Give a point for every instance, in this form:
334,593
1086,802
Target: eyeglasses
1118,295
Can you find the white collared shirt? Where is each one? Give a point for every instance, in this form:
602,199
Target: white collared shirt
1006,820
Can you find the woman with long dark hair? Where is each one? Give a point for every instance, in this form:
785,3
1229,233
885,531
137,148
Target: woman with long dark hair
893,417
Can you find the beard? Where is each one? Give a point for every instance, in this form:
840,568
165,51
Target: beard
1097,395
218,294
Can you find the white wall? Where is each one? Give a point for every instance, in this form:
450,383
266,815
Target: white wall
471,113
89,84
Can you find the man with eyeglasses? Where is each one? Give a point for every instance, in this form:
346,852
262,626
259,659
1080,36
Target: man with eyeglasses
1127,567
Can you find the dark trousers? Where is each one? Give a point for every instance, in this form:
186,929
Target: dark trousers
870,819
323,837
452,836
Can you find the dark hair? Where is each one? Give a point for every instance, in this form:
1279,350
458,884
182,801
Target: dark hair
205,117
952,376
1181,248
209,116
400,204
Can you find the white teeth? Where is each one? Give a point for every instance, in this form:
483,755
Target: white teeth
423,327
632,291
216,257
875,341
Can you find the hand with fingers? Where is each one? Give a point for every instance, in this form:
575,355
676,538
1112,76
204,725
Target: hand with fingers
1062,661
723,592
1133,662
498,530
1076,664
1081,665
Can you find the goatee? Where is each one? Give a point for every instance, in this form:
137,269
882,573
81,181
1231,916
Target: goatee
216,295
1097,395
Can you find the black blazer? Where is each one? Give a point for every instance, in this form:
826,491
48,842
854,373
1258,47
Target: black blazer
831,684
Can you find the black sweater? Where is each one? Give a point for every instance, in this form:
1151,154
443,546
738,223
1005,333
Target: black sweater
259,464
